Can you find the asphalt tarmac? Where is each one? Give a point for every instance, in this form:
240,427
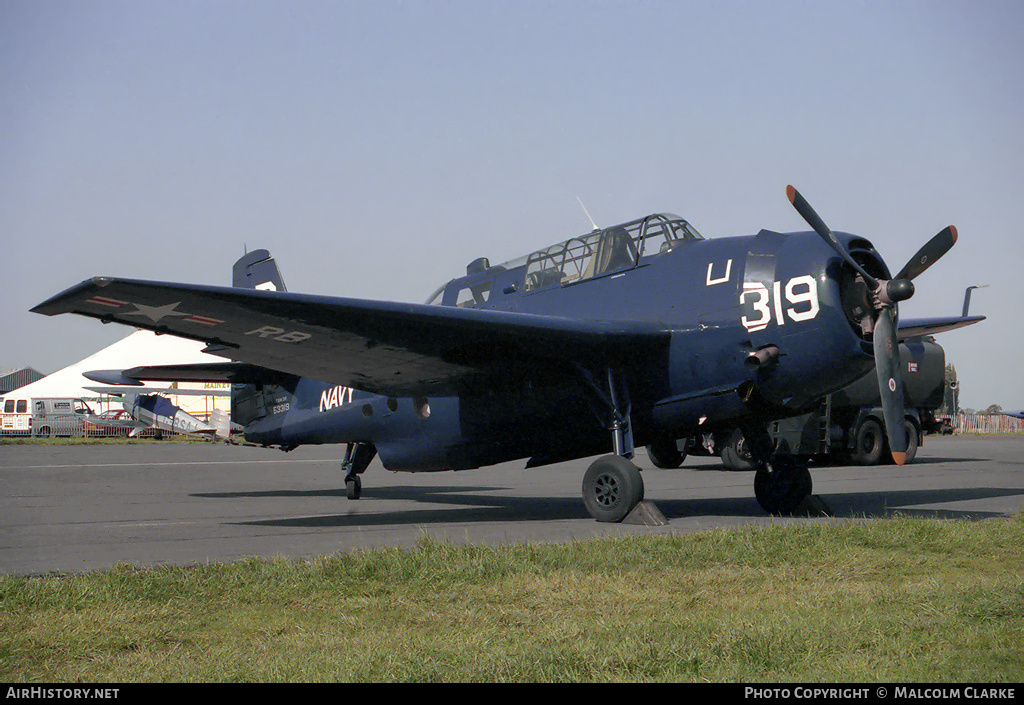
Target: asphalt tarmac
69,509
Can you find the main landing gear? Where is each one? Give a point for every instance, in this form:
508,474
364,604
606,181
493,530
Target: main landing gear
612,486
782,483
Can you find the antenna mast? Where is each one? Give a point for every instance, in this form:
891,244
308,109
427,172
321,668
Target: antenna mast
588,213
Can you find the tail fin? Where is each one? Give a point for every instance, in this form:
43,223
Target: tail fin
221,422
251,402
257,270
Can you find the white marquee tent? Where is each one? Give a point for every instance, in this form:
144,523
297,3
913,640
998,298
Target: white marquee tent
138,348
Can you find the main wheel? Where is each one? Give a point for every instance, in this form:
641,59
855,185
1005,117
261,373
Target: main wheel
869,443
781,489
612,487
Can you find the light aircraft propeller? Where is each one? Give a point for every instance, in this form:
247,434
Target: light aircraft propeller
885,295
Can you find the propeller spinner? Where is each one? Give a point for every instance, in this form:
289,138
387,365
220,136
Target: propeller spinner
885,296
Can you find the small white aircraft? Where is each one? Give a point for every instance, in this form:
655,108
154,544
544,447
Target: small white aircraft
148,408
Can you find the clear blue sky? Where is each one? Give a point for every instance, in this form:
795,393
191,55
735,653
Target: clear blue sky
376,147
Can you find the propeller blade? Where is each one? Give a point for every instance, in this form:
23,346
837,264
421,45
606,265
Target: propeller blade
890,383
818,225
929,254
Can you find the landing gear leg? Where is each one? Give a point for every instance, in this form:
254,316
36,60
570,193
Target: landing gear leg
612,486
357,458
781,482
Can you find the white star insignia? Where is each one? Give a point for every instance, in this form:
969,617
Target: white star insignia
156,313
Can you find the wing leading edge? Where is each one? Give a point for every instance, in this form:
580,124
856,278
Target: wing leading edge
382,347
913,327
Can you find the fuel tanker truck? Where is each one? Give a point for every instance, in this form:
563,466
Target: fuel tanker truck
847,426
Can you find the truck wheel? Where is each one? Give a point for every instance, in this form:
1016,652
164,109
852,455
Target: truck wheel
911,430
736,454
869,443
665,454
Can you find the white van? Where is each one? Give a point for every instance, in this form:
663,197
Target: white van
46,416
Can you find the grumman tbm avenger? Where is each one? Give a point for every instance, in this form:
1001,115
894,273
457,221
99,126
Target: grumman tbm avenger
642,333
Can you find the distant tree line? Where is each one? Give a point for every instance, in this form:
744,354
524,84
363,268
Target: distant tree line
950,400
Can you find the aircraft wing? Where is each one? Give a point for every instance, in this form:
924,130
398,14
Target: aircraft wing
222,372
913,327
383,347
116,423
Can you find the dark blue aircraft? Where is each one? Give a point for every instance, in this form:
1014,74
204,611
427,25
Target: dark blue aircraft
642,333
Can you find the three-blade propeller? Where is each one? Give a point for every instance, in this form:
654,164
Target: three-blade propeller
886,294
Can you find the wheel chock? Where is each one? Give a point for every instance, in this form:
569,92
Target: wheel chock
646,513
812,506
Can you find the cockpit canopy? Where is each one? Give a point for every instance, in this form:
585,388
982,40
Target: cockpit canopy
603,251
595,254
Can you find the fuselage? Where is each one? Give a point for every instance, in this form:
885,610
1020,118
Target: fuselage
718,301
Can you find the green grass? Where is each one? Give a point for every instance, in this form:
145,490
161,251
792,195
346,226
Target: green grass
895,601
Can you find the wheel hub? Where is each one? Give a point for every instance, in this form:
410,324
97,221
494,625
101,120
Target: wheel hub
606,490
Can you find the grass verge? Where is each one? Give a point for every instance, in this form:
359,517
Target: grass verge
896,601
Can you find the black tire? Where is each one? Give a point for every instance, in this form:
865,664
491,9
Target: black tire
912,436
911,430
782,489
869,443
665,455
612,487
44,432
353,488
736,455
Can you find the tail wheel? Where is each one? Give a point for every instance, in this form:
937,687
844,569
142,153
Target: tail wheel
353,487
